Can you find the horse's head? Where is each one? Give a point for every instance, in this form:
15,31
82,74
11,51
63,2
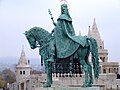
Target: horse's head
31,39
36,36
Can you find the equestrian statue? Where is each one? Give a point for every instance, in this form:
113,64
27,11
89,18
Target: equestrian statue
63,45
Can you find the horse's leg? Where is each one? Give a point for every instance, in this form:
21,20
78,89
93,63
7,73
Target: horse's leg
49,74
89,67
82,52
90,82
90,75
85,68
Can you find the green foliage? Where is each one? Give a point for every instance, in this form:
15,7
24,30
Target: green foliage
2,82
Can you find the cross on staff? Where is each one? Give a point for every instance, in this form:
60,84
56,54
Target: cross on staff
51,15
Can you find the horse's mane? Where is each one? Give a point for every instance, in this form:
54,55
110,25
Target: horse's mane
39,31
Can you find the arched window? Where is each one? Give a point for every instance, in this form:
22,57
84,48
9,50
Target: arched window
109,70
101,59
100,47
24,72
104,70
20,72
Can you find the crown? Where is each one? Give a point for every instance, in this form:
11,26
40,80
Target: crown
64,6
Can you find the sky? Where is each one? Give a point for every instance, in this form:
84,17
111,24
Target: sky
18,16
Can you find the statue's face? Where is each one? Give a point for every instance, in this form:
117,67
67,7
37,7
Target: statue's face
31,40
64,9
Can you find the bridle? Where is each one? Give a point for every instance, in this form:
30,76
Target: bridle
43,40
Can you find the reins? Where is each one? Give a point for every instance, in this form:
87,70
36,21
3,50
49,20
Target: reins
43,40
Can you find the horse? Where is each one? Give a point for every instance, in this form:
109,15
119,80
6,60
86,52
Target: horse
39,37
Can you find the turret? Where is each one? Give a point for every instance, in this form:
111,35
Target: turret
94,32
23,67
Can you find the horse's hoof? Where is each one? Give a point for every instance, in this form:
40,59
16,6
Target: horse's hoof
84,85
90,85
47,85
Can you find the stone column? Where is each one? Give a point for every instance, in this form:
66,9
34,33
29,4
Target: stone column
25,85
19,86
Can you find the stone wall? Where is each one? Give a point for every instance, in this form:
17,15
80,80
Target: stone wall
105,81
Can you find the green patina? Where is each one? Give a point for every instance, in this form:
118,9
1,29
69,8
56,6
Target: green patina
63,43
65,39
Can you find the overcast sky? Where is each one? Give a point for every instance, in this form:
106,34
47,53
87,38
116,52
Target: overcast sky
17,16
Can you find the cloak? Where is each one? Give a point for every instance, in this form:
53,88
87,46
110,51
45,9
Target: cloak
65,40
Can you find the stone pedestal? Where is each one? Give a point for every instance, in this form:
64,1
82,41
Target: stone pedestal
69,88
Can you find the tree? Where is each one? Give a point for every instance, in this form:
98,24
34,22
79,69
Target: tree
9,76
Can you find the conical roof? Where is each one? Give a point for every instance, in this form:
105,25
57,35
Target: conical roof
22,61
94,32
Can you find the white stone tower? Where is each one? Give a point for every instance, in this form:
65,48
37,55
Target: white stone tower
23,68
103,53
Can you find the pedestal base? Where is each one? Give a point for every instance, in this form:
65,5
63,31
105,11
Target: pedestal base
69,88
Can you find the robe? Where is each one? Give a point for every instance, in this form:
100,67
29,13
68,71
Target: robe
66,42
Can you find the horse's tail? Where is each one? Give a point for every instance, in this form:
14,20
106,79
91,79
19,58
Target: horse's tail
95,59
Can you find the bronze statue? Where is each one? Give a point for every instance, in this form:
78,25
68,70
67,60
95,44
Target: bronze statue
62,43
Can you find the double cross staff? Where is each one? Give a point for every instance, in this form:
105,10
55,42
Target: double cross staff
51,15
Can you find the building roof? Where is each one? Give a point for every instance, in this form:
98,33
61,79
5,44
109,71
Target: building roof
23,62
94,32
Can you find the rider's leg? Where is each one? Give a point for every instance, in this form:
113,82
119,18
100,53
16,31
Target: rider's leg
51,51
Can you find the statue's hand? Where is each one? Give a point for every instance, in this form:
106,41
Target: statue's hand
54,23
